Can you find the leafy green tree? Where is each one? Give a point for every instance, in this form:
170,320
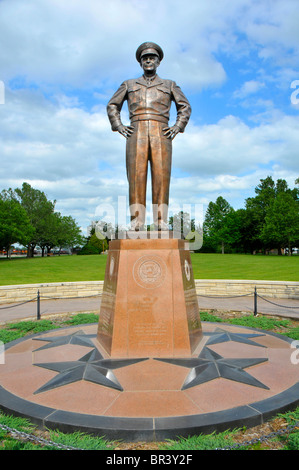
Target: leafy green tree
247,243
39,210
181,222
51,229
68,232
100,243
102,229
59,231
231,230
259,210
213,223
100,233
281,228
88,250
257,207
15,225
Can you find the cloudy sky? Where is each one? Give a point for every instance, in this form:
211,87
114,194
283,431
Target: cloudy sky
237,61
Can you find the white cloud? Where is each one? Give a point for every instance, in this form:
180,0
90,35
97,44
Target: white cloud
273,26
93,42
248,88
74,157
78,43
53,51
229,159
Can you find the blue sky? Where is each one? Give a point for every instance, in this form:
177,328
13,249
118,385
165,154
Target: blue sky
62,60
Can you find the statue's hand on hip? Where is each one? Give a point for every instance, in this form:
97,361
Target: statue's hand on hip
126,131
171,132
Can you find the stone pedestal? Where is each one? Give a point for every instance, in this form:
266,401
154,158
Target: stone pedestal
149,306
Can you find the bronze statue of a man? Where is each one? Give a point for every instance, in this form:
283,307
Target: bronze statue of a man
149,137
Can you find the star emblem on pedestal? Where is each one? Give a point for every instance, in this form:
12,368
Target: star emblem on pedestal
79,338
92,367
209,366
222,336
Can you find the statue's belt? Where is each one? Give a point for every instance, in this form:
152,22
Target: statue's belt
149,117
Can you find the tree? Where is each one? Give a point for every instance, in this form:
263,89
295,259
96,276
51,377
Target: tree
260,209
100,232
48,232
231,230
15,225
39,210
181,222
68,232
257,207
248,242
100,243
281,229
213,223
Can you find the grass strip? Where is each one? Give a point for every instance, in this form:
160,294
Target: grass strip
92,268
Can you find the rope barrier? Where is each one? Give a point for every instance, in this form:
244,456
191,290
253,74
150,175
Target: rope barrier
70,298
224,297
278,305
254,294
23,303
21,435
263,438
39,298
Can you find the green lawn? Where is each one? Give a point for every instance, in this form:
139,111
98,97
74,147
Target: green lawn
52,269
92,268
272,268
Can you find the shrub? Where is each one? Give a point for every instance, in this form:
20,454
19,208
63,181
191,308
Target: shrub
89,250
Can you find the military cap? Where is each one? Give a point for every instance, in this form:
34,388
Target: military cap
149,48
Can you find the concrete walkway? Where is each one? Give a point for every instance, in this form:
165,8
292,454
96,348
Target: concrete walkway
12,312
288,308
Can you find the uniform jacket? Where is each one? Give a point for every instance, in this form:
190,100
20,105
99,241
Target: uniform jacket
149,102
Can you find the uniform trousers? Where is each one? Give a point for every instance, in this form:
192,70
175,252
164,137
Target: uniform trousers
148,146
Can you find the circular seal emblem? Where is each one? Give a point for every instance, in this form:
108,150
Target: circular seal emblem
149,271
187,270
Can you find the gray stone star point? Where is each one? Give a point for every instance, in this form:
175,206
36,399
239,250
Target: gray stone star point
92,368
209,366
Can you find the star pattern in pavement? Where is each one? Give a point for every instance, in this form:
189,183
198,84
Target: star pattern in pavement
209,366
92,367
222,336
79,338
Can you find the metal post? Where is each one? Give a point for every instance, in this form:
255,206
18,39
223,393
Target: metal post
38,305
255,302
